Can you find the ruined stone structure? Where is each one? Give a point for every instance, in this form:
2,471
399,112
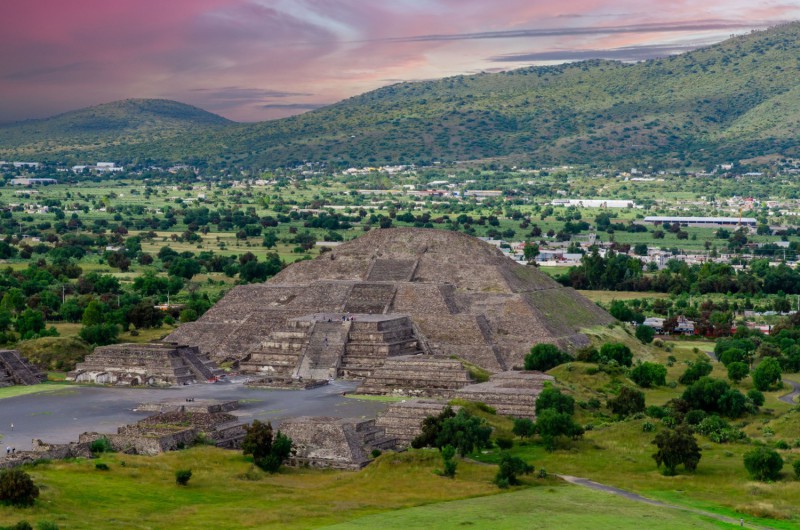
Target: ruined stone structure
411,291
16,370
417,376
145,364
403,421
509,393
173,430
334,442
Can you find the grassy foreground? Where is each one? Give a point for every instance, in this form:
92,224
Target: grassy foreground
395,491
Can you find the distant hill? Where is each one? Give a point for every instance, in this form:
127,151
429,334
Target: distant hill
95,129
733,100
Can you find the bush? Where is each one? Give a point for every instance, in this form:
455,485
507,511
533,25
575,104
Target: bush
523,427
505,443
182,476
767,374
100,334
645,334
100,466
654,411
615,351
552,398
510,467
101,445
269,452
737,371
756,397
796,467
543,357
763,463
628,401
17,488
715,395
676,447
449,465
376,453
695,372
694,417
648,427
648,375
46,525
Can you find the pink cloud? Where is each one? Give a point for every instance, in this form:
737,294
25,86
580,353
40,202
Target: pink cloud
257,59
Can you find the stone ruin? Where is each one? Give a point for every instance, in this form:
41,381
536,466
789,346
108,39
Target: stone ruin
395,308
336,443
177,425
145,364
16,370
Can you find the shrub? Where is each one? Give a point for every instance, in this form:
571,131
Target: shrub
676,447
101,445
648,374
695,372
767,374
715,395
543,357
46,525
523,427
756,397
376,453
17,488
100,466
694,417
510,468
269,452
551,424
552,398
737,371
628,401
505,443
796,467
449,465
615,351
648,427
645,334
654,411
182,476
763,463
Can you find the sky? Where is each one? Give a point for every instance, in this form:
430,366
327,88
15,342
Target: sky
252,60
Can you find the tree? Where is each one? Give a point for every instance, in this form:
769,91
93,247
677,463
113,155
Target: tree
465,432
431,426
767,374
448,464
30,323
523,427
676,447
615,351
645,334
544,357
17,488
510,467
628,401
552,399
695,371
756,397
737,371
530,251
100,334
763,463
551,424
269,452
95,313
649,374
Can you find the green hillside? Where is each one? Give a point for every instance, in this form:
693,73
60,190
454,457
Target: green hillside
95,130
732,100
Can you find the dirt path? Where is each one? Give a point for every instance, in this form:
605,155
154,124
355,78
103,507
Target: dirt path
789,398
638,498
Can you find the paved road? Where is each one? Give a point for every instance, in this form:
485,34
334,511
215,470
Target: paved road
789,398
60,416
638,498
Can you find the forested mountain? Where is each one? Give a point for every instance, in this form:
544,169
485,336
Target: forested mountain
733,100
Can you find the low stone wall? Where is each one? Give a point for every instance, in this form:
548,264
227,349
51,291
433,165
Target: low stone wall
44,451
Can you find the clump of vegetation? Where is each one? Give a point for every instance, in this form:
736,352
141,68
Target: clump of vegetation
763,463
675,447
543,357
629,401
269,452
101,466
645,334
648,374
463,431
695,371
182,477
17,488
101,445
767,374
510,468
448,463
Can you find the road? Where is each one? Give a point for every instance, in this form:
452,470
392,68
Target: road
789,398
60,416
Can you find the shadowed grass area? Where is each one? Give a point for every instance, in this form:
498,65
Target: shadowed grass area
546,506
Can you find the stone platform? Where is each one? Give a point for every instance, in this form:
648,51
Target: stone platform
509,393
16,370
